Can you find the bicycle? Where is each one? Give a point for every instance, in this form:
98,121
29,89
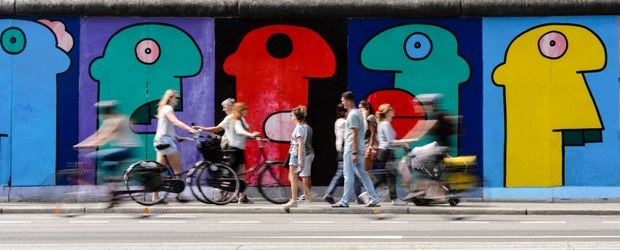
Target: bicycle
273,183
212,181
149,182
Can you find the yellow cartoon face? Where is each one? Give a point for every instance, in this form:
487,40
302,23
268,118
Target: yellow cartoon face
547,101
544,67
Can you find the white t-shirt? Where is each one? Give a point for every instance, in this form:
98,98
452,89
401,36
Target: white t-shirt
225,124
237,139
304,132
164,126
385,135
339,126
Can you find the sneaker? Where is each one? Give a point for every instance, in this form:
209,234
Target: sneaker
364,198
245,200
340,205
398,202
302,198
182,199
329,199
289,204
373,205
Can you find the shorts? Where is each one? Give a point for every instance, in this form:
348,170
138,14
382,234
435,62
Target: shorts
171,149
306,169
237,157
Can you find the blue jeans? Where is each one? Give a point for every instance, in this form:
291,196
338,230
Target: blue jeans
350,169
337,180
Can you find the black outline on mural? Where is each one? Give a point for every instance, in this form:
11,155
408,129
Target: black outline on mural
582,72
265,122
394,72
175,76
36,21
25,40
139,23
135,51
430,43
564,52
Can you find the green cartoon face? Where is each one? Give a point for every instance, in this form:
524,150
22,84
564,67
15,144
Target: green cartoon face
142,61
424,59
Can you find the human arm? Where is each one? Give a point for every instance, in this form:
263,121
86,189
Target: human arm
105,133
240,130
173,118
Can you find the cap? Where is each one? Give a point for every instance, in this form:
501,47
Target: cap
428,98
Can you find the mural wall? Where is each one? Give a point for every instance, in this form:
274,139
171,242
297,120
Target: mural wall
538,98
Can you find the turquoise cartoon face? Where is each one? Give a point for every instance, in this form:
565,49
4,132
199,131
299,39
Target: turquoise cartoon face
424,59
30,59
142,61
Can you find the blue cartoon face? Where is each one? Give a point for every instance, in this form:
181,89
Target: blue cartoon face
30,59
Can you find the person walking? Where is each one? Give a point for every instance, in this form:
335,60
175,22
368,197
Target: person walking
224,124
239,133
352,155
301,156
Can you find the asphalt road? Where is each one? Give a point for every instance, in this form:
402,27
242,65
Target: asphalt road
312,231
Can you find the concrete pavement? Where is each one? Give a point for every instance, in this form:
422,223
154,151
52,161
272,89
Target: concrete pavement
261,207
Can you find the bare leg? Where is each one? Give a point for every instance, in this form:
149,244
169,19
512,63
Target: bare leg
292,176
175,163
161,159
307,186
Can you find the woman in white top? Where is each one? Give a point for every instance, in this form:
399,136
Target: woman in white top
236,141
225,124
386,136
301,155
165,137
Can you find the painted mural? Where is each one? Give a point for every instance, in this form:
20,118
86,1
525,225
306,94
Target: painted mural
537,98
554,89
274,67
137,60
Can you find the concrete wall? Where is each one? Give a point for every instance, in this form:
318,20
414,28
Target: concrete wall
538,95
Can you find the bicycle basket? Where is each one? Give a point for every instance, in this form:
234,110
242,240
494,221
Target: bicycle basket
210,149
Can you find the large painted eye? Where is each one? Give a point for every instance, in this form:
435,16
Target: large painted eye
418,46
147,51
553,45
13,40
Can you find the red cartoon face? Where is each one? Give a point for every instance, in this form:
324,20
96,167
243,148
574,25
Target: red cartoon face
272,66
407,109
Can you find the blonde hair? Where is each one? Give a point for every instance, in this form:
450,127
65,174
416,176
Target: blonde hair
165,99
383,110
300,113
237,108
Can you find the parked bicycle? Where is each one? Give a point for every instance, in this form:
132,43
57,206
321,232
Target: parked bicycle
149,182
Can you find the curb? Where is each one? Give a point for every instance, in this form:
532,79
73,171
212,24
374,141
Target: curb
69,209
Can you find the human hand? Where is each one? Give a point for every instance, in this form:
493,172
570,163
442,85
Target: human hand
192,130
255,134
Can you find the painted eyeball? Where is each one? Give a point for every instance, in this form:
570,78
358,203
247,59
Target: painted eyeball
553,45
147,51
418,46
13,40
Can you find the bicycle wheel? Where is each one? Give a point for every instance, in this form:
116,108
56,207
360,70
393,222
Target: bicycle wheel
273,183
218,183
191,180
143,180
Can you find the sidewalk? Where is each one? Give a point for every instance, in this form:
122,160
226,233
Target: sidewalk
465,208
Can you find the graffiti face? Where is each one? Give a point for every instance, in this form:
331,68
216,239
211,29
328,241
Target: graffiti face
30,59
424,59
272,66
139,63
547,100
408,111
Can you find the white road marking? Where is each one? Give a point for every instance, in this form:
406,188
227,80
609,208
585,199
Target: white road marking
312,222
611,222
15,222
240,221
389,222
89,221
390,237
469,222
178,216
163,221
543,222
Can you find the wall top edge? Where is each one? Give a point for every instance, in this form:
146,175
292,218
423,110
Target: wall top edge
310,8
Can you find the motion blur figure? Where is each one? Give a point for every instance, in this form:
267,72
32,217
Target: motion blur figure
114,138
